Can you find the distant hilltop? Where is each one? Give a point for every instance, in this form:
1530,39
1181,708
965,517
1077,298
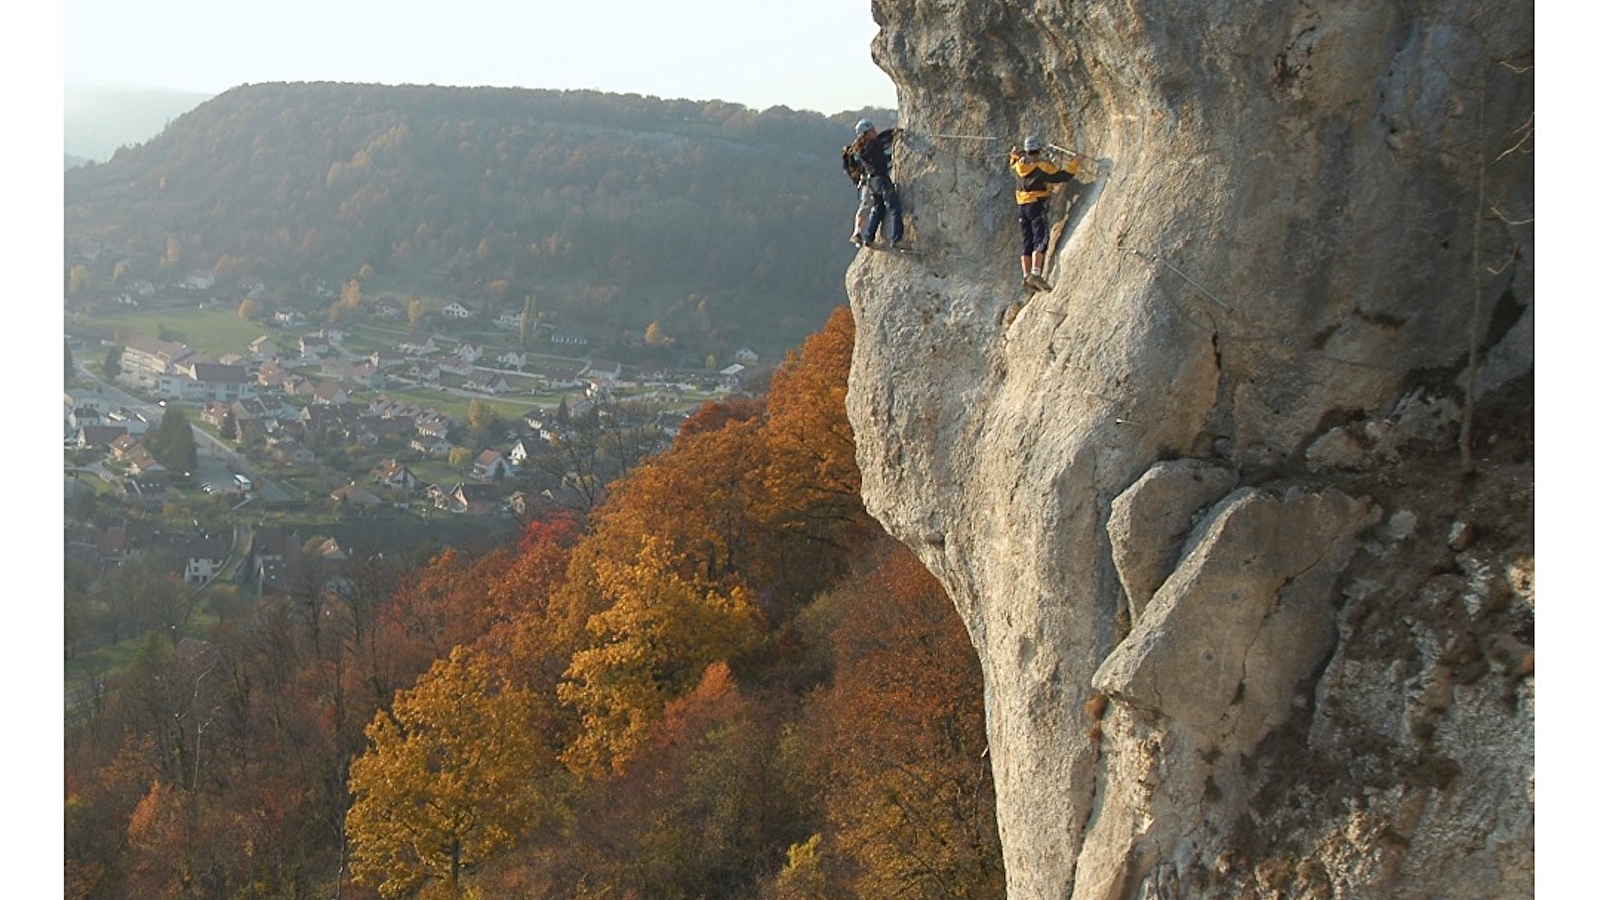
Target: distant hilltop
101,119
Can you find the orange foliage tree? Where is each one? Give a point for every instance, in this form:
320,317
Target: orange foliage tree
652,644
455,775
899,737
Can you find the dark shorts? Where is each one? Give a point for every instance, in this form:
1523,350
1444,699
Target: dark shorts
1035,221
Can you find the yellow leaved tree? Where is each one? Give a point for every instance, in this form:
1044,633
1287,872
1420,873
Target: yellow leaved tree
650,646
455,774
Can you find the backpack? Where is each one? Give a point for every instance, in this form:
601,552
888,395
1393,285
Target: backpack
852,164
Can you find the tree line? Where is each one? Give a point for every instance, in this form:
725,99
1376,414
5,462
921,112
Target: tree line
619,210
724,682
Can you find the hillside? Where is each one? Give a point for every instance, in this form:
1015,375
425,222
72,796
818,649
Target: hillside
1238,513
723,224
98,120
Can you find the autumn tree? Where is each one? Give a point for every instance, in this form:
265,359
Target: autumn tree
455,776
414,311
247,309
78,278
811,487
650,645
899,738
701,808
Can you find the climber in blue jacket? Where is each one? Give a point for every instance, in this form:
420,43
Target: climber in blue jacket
879,197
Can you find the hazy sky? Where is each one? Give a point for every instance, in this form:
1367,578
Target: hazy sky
805,54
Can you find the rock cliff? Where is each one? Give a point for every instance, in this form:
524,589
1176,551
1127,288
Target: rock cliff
1238,514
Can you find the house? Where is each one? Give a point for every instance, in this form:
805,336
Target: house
290,317
732,377
200,381
214,412
424,371
569,336
467,351
143,466
455,311
432,424
271,375
558,378
99,437
417,346
202,555
272,552
286,448
353,496
200,280
487,382
509,321
393,475
329,393
387,307
522,451
387,360
124,447
475,499
313,346
146,359
84,417
608,369
431,447
264,347
512,359
746,355
490,465
372,430
85,400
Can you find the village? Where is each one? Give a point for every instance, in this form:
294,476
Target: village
388,425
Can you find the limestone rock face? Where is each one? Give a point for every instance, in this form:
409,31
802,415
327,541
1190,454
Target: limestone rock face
1300,273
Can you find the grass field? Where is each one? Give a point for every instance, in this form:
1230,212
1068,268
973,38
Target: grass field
214,332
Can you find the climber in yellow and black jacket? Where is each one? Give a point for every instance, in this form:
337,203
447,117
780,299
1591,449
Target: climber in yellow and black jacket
1035,174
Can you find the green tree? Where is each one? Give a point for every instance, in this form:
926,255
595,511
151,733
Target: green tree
173,442
68,359
113,362
455,775
530,321
483,423
229,429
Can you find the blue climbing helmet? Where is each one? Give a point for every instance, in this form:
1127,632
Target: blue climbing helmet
863,126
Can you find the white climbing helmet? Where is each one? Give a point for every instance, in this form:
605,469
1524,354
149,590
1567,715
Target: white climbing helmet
1032,144
863,126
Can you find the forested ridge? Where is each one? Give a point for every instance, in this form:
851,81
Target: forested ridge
616,210
725,683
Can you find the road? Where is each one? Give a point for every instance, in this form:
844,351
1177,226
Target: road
217,461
